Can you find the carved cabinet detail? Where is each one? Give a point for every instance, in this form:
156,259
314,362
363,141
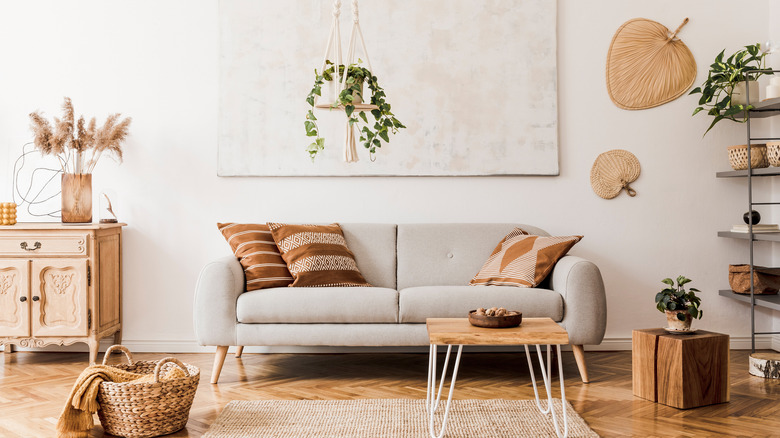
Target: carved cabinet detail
64,287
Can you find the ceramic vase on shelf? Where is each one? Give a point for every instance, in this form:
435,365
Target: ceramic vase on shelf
739,97
76,197
675,324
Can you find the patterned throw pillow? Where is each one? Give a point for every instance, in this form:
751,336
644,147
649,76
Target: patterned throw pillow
317,255
255,248
523,260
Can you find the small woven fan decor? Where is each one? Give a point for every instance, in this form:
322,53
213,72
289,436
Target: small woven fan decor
647,65
612,172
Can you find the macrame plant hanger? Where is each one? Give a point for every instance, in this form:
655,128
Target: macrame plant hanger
334,42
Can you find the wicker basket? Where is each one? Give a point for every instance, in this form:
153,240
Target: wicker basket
773,153
739,160
136,410
766,281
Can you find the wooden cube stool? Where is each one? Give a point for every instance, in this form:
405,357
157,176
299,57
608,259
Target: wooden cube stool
683,371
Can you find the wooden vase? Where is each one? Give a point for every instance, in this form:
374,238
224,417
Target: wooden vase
76,198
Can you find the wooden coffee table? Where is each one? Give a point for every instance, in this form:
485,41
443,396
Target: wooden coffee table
458,331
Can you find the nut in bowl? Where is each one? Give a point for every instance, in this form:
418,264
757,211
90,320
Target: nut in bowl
495,317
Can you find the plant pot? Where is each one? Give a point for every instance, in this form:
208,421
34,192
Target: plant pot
328,92
739,97
675,324
76,197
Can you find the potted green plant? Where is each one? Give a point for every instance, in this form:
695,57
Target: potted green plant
723,93
371,136
680,306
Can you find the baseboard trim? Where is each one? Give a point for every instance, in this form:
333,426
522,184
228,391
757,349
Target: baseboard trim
763,342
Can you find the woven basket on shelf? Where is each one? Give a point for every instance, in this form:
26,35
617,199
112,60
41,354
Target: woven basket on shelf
773,153
136,410
739,160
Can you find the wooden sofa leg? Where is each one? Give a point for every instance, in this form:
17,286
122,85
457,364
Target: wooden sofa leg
239,350
579,356
219,359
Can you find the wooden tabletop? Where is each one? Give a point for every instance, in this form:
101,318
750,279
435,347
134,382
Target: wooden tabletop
458,331
60,226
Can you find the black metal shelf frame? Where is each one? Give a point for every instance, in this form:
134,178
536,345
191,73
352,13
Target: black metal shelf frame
767,108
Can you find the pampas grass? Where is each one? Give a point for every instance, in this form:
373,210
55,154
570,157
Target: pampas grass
78,145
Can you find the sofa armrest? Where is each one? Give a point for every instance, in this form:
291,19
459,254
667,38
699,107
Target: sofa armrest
585,302
219,285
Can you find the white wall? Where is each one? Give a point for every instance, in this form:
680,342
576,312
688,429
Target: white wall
157,62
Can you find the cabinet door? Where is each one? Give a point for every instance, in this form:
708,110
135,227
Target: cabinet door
14,284
60,286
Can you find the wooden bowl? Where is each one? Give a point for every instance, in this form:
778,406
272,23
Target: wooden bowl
506,321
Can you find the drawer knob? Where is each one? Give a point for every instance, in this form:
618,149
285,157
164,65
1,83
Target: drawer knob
22,299
36,245
36,298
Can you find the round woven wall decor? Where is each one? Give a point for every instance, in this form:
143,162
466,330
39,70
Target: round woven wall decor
612,172
647,65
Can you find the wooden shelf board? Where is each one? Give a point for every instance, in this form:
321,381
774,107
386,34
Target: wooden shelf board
768,237
358,107
768,301
766,171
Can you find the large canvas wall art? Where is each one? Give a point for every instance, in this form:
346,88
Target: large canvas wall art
473,81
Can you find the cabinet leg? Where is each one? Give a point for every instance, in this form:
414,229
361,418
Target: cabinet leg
93,350
118,338
9,348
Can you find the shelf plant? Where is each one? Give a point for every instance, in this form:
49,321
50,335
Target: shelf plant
717,91
680,306
371,135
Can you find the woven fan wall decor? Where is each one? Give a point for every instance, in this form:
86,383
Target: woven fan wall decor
612,172
647,65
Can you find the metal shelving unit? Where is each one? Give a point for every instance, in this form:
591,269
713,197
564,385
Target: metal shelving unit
767,108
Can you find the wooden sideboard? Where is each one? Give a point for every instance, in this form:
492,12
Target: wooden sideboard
60,284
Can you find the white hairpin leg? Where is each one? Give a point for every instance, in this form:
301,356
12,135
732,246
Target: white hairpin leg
433,397
547,378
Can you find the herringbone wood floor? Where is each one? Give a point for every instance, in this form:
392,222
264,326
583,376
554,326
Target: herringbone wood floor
33,387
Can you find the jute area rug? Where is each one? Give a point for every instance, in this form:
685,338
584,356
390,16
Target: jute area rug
388,418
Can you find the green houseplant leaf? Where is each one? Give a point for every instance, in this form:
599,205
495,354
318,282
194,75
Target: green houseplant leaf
744,65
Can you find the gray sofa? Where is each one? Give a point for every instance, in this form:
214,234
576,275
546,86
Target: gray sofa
418,271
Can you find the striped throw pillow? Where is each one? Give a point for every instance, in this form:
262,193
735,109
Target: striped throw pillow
255,248
317,255
523,260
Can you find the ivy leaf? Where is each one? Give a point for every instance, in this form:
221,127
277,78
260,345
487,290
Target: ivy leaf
384,136
349,108
363,116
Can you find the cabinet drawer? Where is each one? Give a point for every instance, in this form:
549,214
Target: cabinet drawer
20,244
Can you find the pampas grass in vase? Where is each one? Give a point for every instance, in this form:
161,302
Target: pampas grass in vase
78,146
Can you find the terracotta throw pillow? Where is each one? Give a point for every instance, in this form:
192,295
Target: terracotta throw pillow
317,255
256,250
523,260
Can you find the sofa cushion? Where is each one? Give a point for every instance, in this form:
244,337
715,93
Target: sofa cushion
522,260
418,303
447,254
317,255
256,250
374,249
318,305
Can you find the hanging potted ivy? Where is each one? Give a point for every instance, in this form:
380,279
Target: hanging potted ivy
350,99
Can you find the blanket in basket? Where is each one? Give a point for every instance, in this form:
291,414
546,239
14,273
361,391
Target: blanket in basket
76,418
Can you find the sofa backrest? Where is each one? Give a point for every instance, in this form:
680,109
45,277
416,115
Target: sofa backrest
447,254
374,249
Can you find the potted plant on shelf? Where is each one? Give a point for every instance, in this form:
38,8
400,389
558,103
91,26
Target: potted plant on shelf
371,136
723,94
78,146
680,306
